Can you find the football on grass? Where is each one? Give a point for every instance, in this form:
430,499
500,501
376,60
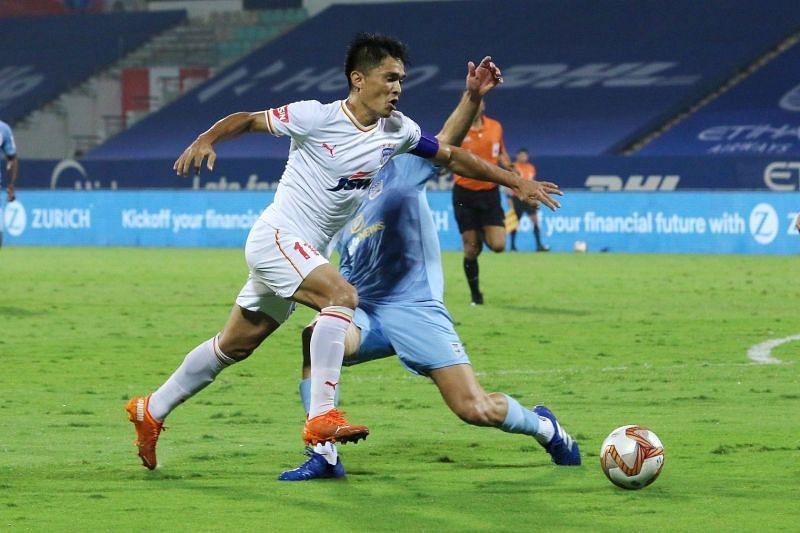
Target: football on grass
632,457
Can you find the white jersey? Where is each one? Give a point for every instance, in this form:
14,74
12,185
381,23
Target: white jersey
332,160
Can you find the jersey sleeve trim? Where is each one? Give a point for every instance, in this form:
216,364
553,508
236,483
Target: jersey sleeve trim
269,123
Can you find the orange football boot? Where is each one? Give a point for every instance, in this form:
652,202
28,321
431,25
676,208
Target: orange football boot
332,427
147,430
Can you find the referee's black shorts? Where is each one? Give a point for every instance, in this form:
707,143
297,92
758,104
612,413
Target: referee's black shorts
521,208
476,209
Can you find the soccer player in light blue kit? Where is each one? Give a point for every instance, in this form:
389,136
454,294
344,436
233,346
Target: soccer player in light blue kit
390,253
9,150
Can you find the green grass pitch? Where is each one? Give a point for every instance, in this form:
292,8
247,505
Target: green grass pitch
604,340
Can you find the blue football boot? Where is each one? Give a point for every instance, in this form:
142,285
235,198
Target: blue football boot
562,447
317,467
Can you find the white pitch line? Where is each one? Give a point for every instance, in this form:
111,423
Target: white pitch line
762,353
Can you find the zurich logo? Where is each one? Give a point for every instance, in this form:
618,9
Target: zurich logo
791,100
15,218
764,223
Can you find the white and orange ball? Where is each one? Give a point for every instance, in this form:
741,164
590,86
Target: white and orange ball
632,457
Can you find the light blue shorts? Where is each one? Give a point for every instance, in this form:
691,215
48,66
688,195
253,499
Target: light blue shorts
421,335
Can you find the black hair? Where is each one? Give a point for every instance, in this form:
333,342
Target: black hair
368,50
522,150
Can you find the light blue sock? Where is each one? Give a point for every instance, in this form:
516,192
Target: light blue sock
519,420
305,394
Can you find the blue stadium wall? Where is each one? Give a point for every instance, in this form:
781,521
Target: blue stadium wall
581,77
41,57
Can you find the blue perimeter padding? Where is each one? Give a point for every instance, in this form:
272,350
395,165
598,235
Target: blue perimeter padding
677,222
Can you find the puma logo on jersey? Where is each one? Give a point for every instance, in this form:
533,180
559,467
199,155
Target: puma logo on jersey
331,384
329,148
356,181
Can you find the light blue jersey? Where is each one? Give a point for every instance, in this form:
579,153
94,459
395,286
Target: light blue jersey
390,249
7,146
390,254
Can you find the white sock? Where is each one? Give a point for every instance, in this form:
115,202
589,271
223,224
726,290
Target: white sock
328,451
198,370
546,431
327,354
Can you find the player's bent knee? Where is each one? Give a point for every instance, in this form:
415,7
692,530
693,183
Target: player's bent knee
344,295
498,247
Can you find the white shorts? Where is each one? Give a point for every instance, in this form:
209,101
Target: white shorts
279,261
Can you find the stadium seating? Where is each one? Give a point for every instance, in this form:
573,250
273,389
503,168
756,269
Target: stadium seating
42,56
582,78
760,116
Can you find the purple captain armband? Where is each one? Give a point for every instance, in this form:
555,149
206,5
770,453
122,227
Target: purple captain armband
427,146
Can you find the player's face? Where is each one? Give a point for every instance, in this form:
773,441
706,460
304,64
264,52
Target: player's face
380,90
522,157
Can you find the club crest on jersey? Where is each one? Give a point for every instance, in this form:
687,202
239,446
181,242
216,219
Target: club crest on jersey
281,113
387,151
375,189
357,181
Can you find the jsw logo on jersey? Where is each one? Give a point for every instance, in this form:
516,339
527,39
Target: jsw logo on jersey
359,180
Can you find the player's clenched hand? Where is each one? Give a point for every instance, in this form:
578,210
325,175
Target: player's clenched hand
484,77
797,223
532,192
193,156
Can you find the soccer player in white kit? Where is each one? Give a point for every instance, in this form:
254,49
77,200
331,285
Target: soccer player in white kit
336,150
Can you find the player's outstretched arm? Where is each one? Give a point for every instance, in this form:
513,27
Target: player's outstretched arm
457,124
228,128
480,80
467,164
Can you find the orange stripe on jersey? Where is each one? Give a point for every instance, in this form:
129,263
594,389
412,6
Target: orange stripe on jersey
278,242
334,314
487,143
355,121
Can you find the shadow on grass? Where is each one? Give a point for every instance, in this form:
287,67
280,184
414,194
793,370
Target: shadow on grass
539,310
6,310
